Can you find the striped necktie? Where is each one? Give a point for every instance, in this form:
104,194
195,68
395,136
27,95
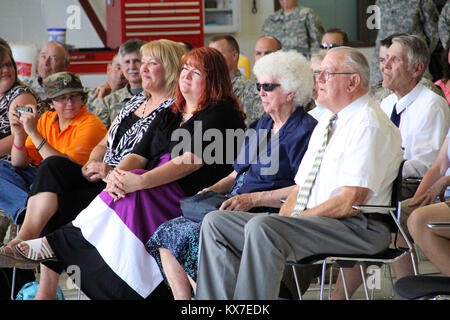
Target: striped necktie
305,190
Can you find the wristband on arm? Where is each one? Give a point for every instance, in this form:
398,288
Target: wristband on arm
41,145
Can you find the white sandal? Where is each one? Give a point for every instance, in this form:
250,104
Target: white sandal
38,251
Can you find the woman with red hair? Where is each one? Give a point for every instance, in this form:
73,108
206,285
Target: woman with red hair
107,239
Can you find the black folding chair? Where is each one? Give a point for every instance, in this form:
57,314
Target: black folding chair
388,214
425,287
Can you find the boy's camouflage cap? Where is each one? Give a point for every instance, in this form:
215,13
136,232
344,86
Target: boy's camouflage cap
61,83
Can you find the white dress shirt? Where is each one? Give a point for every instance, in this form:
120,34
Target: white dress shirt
425,119
317,111
364,150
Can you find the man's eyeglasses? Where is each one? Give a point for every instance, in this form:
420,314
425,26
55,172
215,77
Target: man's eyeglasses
325,75
266,86
66,99
329,45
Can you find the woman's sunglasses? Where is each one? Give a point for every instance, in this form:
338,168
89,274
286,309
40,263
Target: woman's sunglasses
266,86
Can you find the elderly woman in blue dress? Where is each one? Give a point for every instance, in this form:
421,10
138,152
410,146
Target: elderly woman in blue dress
285,84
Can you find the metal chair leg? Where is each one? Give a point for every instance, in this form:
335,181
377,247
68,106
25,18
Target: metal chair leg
391,278
344,283
13,282
322,281
297,284
364,281
330,283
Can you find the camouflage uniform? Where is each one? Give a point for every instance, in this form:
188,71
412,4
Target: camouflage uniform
378,93
419,17
112,104
299,30
444,24
250,100
35,82
95,105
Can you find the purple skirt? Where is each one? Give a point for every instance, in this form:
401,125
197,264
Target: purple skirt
119,230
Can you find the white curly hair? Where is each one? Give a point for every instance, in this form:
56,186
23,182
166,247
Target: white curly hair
292,70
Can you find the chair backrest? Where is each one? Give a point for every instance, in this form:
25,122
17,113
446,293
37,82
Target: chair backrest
397,186
396,197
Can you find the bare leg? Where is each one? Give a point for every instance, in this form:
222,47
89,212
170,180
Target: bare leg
40,208
403,267
193,284
48,284
178,279
435,246
352,280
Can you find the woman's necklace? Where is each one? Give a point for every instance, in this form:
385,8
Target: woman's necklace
145,107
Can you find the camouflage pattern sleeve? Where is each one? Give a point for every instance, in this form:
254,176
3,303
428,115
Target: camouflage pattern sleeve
430,24
95,106
315,30
252,104
269,27
300,30
112,104
33,82
444,24
245,91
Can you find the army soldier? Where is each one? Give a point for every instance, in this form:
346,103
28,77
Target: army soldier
116,81
444,24
130,63
242,87
298,28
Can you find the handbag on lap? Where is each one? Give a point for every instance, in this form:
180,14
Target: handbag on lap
196,207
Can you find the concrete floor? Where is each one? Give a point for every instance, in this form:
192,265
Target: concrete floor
384,292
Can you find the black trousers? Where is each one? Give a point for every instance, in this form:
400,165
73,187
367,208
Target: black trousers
63,177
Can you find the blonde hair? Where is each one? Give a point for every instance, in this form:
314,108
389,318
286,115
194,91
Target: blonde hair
169,53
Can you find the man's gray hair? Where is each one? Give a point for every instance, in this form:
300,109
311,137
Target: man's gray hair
291,70
416,50
356,62
131,46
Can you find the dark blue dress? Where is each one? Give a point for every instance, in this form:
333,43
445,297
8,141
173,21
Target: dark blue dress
264,163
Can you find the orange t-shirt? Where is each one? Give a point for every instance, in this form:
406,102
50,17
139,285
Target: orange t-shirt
76,140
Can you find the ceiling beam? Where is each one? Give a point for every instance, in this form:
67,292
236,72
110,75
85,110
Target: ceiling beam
94,20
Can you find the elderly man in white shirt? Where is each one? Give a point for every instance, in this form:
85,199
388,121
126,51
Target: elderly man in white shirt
423,116
238,250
